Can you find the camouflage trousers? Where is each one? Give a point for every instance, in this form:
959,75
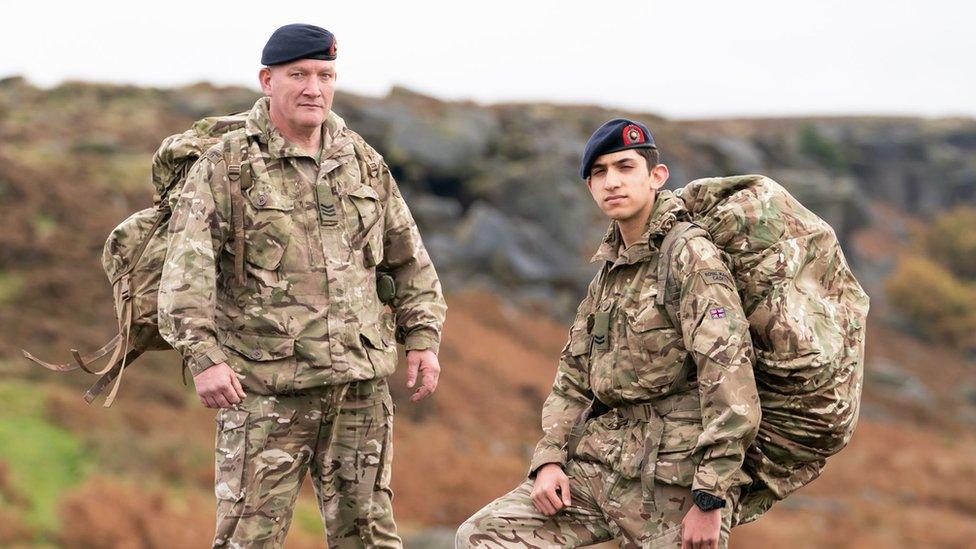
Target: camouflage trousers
266,444
604,507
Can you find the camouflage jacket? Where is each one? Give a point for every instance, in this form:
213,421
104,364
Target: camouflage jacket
307,313
698,376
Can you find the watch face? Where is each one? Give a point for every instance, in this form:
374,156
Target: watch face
707,502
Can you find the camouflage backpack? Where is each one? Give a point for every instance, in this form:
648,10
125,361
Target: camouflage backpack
134,253
807,318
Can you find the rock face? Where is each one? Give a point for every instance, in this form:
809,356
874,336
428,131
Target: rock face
511,214
495,188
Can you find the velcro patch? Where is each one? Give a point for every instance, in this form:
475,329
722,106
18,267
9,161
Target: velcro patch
715,276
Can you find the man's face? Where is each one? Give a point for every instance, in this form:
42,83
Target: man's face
622,186
301,91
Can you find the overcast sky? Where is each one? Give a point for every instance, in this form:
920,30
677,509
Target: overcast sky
688,59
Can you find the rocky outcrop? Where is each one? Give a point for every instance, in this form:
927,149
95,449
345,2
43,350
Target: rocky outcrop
512,214
495,188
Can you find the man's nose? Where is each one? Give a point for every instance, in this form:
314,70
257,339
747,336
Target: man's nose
612,180
312,89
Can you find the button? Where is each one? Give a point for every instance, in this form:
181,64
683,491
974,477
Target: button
262,199
256,354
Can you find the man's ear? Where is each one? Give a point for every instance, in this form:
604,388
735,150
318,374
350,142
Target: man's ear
264,78
659,176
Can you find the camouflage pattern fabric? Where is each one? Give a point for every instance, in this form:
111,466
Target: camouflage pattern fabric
605,507
316,234
699,374
807,314
267,444
680,403
305,319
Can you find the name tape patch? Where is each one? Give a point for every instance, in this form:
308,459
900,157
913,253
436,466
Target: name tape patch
718,277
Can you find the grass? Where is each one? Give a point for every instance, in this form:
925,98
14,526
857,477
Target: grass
44,460
306,516
10,286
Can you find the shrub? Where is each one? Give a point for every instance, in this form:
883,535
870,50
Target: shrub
941,306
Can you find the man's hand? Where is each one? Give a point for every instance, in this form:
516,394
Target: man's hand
218,386
701,529
425,362
550,493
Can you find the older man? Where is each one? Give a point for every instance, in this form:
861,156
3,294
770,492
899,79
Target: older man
290,327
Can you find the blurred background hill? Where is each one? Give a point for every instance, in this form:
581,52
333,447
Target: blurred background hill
510,228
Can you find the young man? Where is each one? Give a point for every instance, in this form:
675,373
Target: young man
648,422
285,327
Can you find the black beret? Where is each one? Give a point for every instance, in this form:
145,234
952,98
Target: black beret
298,41
615,135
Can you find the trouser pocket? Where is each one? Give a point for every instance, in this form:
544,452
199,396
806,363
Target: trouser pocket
231,451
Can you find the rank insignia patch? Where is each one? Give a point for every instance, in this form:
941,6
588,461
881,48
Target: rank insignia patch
633,135
717,313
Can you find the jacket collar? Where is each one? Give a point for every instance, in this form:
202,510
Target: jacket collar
667,209
259,126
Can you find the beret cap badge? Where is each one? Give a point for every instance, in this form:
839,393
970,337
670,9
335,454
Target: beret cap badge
633,135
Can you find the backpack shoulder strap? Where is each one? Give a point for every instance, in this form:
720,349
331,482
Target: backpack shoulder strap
668,288
239,177
369,160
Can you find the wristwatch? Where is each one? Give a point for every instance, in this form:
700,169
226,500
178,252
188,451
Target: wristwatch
705,501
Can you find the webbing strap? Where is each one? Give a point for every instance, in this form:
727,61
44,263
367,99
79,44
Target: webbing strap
109,377
652,444
576,433
668,292
117,345
650,414
80,360
593,409
365,163
238,173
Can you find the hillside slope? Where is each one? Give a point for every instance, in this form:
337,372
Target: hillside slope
510,227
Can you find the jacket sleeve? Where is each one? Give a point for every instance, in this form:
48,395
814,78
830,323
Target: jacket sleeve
419,302
716,332
571,394
187,289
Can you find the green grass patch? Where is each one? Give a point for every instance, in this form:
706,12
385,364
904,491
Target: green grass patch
44,460
307,518
10,286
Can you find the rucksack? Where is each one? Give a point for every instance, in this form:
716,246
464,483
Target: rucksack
133,259
135,250
807,316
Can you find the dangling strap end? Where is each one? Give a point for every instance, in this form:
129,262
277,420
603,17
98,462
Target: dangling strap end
79,360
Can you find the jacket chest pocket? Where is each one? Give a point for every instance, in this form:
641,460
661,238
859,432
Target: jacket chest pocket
653,347
268,228
366,224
